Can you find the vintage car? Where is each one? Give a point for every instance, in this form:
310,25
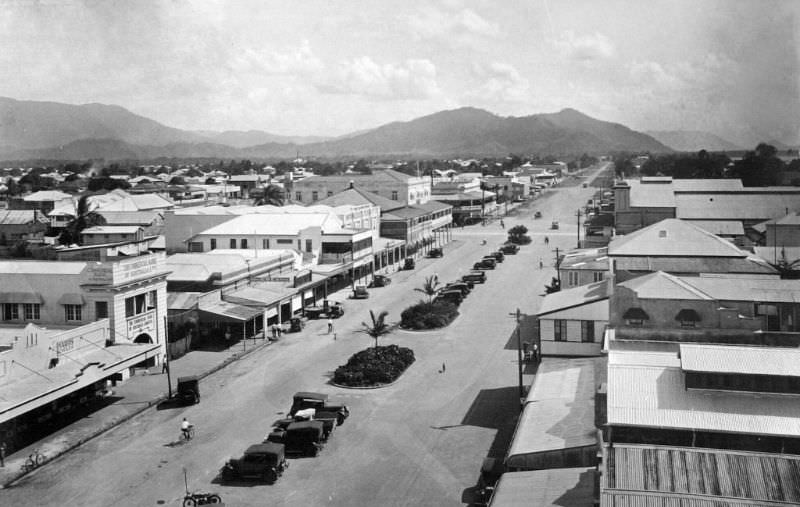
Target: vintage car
485,263
409,263
296,325
451,296
332,309
462,287
329,420
265,461
380,281
303,438
537,214
360,292
435,252
319,401
498,256
474,277
188,392
509,248
554,224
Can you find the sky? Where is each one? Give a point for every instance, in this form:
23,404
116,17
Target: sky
331,67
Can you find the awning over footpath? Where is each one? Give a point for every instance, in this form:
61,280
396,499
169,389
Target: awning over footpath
254,296
229,312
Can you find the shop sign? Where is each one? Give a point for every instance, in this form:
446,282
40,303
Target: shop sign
144,323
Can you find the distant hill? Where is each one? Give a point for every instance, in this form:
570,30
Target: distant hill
693,140
49,130
28,124
243,139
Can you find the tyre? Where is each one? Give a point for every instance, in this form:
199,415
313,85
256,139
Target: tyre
214,499
270,475
189,502
39,459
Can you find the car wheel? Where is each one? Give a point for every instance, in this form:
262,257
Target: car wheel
214,499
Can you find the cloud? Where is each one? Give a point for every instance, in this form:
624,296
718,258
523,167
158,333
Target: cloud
413,79
501,82
435,23
586,47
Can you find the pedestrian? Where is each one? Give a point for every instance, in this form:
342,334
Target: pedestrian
502,224
443,367
2,454
546,240
436,278
330,325
536,352
541,263
165,365
278,329
274,330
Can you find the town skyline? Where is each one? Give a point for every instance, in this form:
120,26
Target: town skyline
331,69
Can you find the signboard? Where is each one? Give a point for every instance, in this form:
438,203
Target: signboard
136,268
143,323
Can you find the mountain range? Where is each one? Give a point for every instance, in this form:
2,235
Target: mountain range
51,130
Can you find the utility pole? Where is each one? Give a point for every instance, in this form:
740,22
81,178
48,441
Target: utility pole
517,316
558,265
578,214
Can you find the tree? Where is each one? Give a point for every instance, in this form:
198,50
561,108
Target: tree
378,327
429,288
787,269
85,218
273,196
177,180
107,183
759,168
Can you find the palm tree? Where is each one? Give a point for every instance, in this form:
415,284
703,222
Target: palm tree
84,218
379,327
273,196
787,269
429,288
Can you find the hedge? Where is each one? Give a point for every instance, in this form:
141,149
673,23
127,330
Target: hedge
374,366
424,315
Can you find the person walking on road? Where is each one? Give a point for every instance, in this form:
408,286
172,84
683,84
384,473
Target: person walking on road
541,263
330,325
546,240
444,367
2,454
436,278
502,224
165,366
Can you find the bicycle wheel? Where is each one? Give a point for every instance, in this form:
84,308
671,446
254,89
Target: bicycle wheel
191,433
189,502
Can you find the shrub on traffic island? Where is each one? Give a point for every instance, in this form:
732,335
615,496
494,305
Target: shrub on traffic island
374,366
428,315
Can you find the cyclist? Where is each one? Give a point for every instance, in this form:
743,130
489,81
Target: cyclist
185,427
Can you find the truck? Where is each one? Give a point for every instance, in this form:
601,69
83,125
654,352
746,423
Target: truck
319,401
265,461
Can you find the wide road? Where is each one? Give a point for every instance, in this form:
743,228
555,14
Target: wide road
418,442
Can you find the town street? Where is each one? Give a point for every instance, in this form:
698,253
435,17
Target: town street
418,442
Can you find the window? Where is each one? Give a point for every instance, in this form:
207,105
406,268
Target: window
284,241
314,196
394,195
152,298
598,276
31,311
136,305
233,243
265,244
572,278
10,311
213,244
308,245
101,310
330,193
298,196
196,246
72,312
560,330
587,331
243,243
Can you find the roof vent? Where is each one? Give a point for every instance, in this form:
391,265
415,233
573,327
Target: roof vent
662,233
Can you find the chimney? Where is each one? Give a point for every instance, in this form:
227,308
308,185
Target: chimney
351,184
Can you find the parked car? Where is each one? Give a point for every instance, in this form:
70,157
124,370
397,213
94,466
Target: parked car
474,277
451,296
537,214
188,392
320,402
304,438
498,256
585,184
435,252
485,263
360,292
296,325
265,461
409,263
509,248
380,281
329,422
554,224
462,287
332,309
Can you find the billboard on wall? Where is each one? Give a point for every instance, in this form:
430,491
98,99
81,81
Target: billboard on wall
142,324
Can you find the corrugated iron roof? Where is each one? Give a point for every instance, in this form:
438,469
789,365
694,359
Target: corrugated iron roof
21,217
783,362
748,265
643,475
576,296
656,397
670,238
760,205
562,486
721,227
651,195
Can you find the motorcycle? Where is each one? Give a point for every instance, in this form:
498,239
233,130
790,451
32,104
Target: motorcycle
194,499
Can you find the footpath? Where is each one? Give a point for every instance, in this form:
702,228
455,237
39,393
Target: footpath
135,395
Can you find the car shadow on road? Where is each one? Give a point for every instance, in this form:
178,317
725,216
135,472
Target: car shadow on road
496,409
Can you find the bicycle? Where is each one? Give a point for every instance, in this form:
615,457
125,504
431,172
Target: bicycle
35,460
187,434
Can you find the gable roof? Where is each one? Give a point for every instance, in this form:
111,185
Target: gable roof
275,224
129,217
672,238
356,195
21,217
758,204
46,195
577,296
660,285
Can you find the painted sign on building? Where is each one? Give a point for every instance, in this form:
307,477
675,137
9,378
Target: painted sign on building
142,324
